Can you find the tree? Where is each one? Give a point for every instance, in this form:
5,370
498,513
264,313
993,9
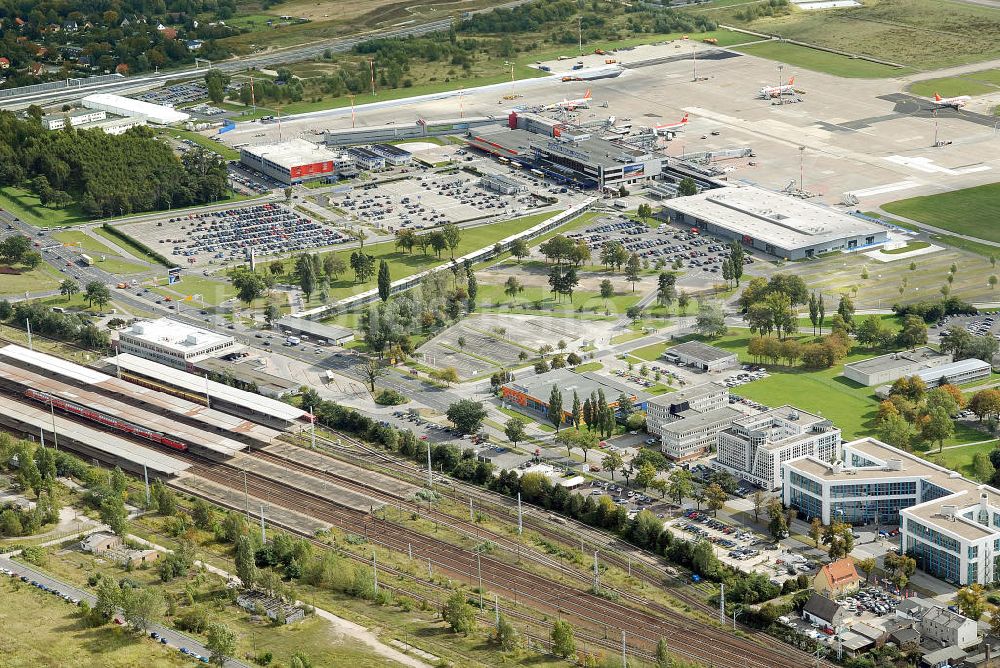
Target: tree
899,567
683,300
985,403
644,212
760,500
666,290
972,601
461,617
612,462
816,530
680,485
97,292
913,333
514,430
687,187
813,311
555,409
371,368
68,288
246,567
467,415
839,539
896,431
249,286
563,643
716,497
141,607
113,514
505,635
778,525
519,249
452,237
384,281
576,413
512,288
108,598
221,642
710,321
736,260
663,658
983,467
607,291
868,566
632,269
202,515
937,426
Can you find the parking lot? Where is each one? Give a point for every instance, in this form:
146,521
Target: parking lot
735,546
220,236
171,96
427,201
665,244
978,325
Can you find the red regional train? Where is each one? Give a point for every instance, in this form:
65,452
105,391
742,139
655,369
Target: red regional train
106,420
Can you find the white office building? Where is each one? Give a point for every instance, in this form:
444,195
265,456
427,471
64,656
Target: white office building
949,524
173,343
756,446
689,420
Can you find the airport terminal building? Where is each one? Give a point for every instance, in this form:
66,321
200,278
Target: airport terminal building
774,223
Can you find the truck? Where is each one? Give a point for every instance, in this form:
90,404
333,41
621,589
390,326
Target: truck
86,260
293,340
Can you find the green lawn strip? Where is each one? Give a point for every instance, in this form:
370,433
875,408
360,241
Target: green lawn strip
212,292
526,418
960,458
961,211
28,208
653,352
588,366
82,240
894,221
496,336
967,245
625,338
402,264
912,246
821,61
114,265
127,245
539,300
658,389
462,351
971,83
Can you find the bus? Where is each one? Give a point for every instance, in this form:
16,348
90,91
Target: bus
86,260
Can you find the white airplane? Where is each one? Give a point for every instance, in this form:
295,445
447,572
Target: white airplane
776,91
570,105
670,128
956,102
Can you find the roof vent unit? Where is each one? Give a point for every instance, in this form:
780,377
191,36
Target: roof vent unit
793,415
949,511
894,465
837,468
139,328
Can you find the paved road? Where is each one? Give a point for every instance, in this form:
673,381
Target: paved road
175,639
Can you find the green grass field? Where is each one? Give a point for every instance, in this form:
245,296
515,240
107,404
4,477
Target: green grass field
821,61
971,211
850,406
897,31
960,459
36,280
212,291
28,208
650,353
42,630
115,265
81,240
539,300
588,366
973,83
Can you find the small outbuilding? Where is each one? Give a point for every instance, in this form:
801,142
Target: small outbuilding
701,356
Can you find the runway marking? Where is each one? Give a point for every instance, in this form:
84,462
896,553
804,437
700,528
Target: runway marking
887,188
927,166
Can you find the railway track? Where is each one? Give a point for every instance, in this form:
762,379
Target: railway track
642,627
641,565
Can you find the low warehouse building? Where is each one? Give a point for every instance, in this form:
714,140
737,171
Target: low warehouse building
156,114
887,368
533,392
954,373
316,331
774,223
701,356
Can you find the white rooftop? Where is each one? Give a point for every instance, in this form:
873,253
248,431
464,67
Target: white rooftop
199,385
58,365
126,106
175,334
780,220
292,153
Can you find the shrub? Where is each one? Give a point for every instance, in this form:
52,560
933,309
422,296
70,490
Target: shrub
390,398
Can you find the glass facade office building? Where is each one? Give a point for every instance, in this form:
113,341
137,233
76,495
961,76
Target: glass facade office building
948,524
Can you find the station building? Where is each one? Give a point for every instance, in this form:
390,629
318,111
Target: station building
73,118
294,161
774,223
949,524
756,446
173,343
393,155
366,159
419,129
888,368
